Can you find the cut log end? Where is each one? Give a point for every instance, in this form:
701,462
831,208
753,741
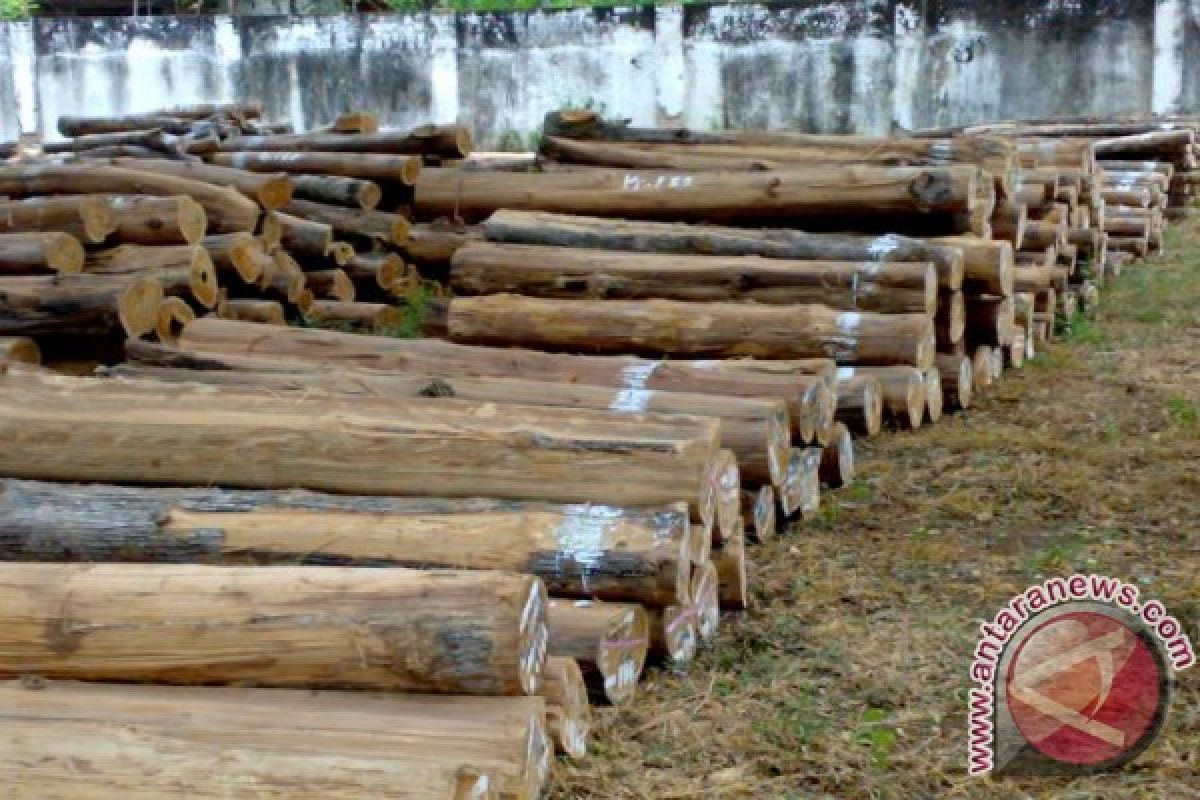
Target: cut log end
706,600
568,712
341,252
137,307
203,279
534,636
266,312
19,350
933,395
732,584
173,315
192,220
760,507
837,459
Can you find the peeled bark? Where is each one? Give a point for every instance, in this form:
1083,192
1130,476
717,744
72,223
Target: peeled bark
86,217
490,268
447,141
837,459
386,169
142,219
33,253
819,192
559,230
609,640
91,305
380,225
144,743
337,190
269,191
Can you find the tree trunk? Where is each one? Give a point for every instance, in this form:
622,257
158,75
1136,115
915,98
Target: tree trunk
389,228
33,253
88,429
674,637
447,141
87,305
609,640
148,220
391,629
269,191
238,253
86,217
372,316
489,268
148,742
226,209
820,192
950,321
559,230
990,320
386,169
730,562
719,330
337,190
378,271
568,711
837,459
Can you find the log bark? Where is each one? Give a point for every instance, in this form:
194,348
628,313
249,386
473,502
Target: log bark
86,217
447,141
173,315
285,626
179,268
720,330
385,169
958,381
538,271
860,402
90,305
269,191
226,209
837,459
34,253
523,227
445,447
150,742
578,551
377,225
568,711
384,271
337,190
264,312
19,350
150,220
902,390
79,126
794,194
609,640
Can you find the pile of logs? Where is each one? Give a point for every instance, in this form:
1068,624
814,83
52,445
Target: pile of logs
608,368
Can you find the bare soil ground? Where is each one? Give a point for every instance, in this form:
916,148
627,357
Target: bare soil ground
849,677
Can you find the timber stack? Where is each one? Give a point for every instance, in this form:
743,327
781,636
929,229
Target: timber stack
632,355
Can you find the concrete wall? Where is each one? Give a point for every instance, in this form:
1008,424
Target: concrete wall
851,65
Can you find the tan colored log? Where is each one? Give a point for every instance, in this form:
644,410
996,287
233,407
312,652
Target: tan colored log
674,637
330,284
568,711
282,278
759,508
449,141
269,191
340,253
226,209
951,320
492,268
706,599
179,268
990,320
390,228
306,238
337,190
266,312
33,253
173,315
284,626
144,743
147,220
386,169
730,562
725,480
820,192
379,270
356,447
609,640
1138,246
239,253
1009,223
801,491
78,304
860,402
661,327
19,350
560,230
837,458
988,266
958,381
1040,234
740,378
902,390
934,397
86,217
374,316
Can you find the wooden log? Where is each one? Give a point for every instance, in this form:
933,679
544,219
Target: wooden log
674,637
730,562
988,265
264,312
1009,222
330,284
447,141
958,381
579,551
609,640
226,209
173,315
373,316
990,320
859,402
837,459
216,340
706,601
86,217
304,237
659,327
19,350
179,268
440,449
378,225
801,492
352,627
89,305
559,230
385,169
269,191
147,220
950,322
1138,246
1014,354
238,253
337,190
532,270
759,507
982,368
902,390
33,253
149,742
568,711
352,122
934,398
79,126
385,271
820,192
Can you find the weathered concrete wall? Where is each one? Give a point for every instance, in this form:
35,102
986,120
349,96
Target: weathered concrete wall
845,65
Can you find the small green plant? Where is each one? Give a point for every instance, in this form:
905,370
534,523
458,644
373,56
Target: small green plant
13,10
414,315
1183,412
880,737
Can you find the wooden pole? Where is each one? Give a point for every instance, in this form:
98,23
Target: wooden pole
447,141
568,711
385,169
33,253
337,190
837,459
33,305
389,228
86,217
609,640
269,191
860,402
958,381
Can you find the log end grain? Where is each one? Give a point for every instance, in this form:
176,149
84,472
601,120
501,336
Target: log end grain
173,315
137,307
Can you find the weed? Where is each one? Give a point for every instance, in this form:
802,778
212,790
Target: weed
1183,412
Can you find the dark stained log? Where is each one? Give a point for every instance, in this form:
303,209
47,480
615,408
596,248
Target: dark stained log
86,217
337,190
448,141
78,304
380,225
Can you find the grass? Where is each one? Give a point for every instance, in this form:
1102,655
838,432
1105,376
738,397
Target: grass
847,679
